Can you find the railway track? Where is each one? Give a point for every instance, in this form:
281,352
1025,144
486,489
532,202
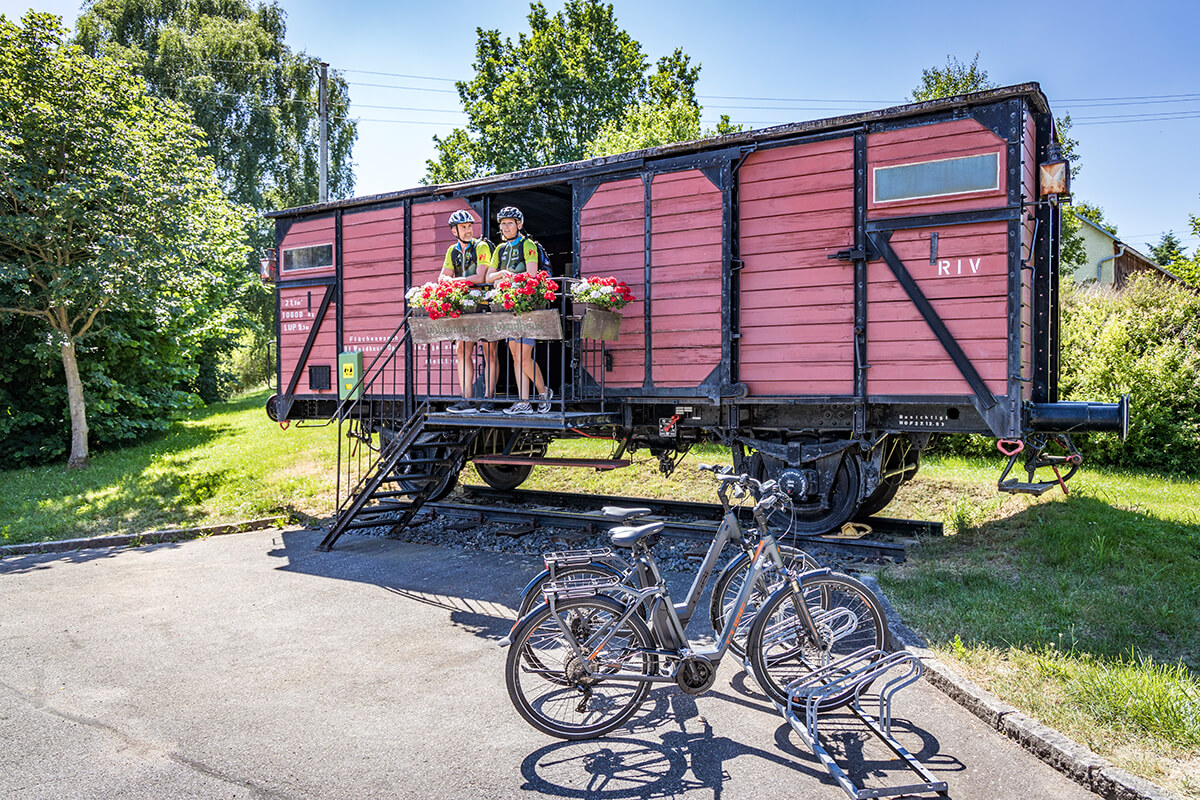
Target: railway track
690,521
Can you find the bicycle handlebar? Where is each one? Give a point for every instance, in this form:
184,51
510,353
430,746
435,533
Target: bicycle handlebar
769,491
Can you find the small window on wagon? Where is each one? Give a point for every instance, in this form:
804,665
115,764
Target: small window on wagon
314,256
937,178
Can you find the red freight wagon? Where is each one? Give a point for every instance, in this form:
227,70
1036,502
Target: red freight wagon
821,297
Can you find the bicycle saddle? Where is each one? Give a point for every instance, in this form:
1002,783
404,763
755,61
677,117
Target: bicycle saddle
629,535
623,514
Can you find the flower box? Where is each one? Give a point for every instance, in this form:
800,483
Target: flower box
598,323
497,325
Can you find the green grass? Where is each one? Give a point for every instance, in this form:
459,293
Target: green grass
1084,611
224,463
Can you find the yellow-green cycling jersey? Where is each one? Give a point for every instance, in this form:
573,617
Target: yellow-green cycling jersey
519,255
464,260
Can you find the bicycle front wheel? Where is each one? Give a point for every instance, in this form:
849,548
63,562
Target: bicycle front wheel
564,695
729,585
847,617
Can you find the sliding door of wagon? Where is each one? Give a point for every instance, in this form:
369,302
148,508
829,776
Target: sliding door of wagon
661,233
686,212
795,208
939,285
612,241
373,290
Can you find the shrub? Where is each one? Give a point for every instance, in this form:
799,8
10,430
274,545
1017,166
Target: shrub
1143,341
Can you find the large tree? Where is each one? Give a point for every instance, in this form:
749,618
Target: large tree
254,98
1168,250
108,206
545,98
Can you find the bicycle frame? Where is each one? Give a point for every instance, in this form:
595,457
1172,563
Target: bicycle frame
730,530
665,620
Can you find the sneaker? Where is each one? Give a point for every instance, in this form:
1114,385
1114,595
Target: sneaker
544,399
519,408
487,407
462,407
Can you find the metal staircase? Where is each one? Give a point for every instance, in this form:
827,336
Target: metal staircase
389,461
410,468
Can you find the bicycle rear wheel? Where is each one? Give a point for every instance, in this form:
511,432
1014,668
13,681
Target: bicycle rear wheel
729,584
847,616
561,695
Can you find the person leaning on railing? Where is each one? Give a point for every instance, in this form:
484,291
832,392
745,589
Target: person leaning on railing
470,258
519,253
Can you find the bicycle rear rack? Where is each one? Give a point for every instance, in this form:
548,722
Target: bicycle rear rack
857,671
578,587
572,558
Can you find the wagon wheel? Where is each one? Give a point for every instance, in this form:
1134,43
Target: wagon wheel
809,518
504,476
885,492
878,500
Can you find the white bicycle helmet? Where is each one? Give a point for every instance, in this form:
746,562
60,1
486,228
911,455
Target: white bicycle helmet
461,216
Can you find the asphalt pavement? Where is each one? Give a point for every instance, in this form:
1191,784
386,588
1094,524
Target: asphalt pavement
251,666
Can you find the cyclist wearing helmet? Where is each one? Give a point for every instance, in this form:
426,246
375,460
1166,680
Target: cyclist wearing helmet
519,253
469,258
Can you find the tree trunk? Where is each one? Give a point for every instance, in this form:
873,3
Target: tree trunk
79,427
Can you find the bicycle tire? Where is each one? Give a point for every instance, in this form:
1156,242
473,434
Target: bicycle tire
779,644
729,583
549,698
532,594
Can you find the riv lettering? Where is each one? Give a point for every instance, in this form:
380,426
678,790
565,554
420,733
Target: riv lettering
959,266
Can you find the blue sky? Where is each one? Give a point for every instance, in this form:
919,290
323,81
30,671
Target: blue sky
1128,74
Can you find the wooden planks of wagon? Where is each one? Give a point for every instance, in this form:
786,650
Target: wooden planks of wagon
821,296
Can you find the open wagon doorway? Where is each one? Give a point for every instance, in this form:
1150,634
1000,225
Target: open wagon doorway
548,220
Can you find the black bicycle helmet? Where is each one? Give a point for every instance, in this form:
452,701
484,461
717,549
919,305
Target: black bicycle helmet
461,216
510,212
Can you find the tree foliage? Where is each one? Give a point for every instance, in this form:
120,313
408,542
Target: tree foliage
1168,250
647,125
652,125
254,98
1181,265
256,101
110,215
546,97
952,79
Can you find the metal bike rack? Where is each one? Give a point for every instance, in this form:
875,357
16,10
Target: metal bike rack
809,696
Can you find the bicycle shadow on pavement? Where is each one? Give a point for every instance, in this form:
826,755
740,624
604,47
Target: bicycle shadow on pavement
688,756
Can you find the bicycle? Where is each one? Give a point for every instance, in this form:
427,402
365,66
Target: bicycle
581,663
602,562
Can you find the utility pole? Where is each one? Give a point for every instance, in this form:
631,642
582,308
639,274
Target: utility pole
323,111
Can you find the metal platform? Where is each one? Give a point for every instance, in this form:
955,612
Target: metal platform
554,421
